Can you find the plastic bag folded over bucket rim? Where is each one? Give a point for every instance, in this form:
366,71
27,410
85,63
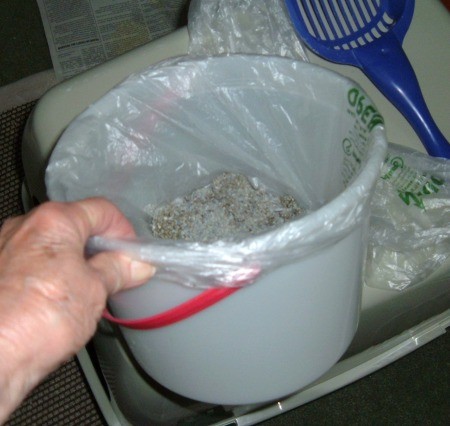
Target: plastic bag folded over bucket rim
226,264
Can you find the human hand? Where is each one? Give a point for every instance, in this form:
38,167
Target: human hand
51,296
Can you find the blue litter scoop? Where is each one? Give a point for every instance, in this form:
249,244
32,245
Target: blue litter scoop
368,34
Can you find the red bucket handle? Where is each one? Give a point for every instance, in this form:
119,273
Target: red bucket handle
186,309
204,300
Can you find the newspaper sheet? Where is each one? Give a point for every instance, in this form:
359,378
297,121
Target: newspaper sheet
84,33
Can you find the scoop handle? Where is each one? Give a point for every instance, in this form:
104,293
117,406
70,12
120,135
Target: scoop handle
387,66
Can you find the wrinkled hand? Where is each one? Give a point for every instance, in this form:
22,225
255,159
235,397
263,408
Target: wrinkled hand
51,296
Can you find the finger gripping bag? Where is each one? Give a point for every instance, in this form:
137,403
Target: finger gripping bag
293,291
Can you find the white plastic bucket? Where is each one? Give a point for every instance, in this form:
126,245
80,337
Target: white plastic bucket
282,332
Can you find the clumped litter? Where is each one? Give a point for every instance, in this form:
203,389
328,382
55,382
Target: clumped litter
229,208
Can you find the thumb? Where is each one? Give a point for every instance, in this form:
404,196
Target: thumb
118,271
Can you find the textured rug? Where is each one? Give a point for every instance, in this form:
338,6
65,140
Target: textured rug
64,398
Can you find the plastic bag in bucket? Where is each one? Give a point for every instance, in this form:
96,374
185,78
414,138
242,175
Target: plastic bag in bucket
296,127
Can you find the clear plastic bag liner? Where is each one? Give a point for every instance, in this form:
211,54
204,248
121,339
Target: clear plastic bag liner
170,129
410,220
242,26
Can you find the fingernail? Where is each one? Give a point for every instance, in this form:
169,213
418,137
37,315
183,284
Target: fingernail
141,271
